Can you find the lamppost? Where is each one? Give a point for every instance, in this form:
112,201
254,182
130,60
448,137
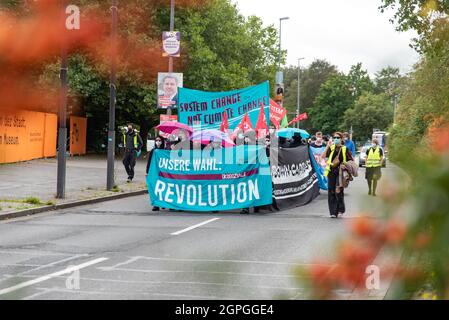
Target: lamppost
299,92
280,39
279,75
112,100
172,27
62,137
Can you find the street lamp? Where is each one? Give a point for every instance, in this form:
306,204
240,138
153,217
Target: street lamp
299,92
280,38
112,100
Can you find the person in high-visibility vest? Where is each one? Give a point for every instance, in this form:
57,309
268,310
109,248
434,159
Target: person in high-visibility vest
335,150
374,158
132,142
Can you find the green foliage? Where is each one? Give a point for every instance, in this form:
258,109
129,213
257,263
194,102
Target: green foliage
221,50
32,200
333,99
423,16
311,79
424,99
388,81
370,111
359,81
225,51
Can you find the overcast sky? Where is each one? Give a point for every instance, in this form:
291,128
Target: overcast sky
343,32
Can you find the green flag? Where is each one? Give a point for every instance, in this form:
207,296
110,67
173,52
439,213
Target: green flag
284,122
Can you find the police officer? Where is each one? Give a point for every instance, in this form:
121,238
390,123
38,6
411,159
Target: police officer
374,157
132,142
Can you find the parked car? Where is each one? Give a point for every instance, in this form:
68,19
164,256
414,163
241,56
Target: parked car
362,156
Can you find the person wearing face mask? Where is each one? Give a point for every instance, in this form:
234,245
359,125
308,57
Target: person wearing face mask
374,157
337,154
159,143
132,142
318,143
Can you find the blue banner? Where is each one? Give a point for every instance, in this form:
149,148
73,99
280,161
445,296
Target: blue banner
319,164
205,109
223,179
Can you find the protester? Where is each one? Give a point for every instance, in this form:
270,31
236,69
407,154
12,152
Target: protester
296,140
132,142
374,158
159,143
249,139
318,142
336,154
283,143
349,144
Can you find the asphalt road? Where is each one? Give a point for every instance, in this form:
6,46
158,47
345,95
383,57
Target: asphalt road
125,251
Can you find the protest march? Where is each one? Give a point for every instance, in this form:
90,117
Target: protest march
222,156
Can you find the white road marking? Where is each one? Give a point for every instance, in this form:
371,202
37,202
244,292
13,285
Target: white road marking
131,260
206,272
145,293
220,260
182,283
194,227
33,253
53,263
52,275
35,295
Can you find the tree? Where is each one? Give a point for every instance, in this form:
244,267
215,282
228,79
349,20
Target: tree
333,99
370,111
312,78
423,16
221,50
359,81
388,81
224,50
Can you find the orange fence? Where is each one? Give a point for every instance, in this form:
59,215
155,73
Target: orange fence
26,135
78,131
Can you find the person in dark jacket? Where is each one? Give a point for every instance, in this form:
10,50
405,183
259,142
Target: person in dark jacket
296,141
159,143
335,149
132,142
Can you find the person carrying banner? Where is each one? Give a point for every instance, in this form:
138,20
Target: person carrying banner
374,157
249,139
336,154
159,143
132,142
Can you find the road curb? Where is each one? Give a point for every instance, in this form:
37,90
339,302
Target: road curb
33,211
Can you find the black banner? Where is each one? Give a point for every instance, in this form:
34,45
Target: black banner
295,182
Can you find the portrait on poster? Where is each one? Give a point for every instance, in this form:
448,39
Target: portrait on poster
168,84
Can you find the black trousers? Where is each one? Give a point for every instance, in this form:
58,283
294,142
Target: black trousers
129,161
336,201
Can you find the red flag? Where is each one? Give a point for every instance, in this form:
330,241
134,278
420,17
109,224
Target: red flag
261,125
277,113
276,123
224,126
245,124
302,116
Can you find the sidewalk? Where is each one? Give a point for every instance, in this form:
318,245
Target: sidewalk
85,179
